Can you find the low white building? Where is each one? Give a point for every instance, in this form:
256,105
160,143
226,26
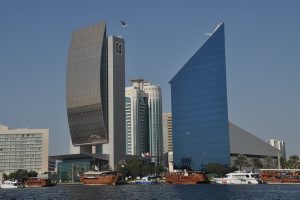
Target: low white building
23,148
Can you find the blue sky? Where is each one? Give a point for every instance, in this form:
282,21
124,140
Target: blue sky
262,57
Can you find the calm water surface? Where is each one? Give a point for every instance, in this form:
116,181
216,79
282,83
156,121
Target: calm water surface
144,192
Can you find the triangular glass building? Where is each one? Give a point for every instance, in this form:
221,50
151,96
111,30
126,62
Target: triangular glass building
199,107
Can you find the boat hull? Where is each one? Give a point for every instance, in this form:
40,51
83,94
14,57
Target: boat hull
281,181
235,181
100,180
191,178
39,183
280,176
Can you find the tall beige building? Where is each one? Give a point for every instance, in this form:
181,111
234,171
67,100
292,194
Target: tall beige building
23,148
167,132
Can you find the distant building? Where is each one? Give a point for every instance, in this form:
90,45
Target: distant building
167,132
143,104
23,148
155,121
95,92
278,144
167,138
137,123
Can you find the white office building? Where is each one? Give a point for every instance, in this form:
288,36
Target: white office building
155,121
143,108
23,148
136,112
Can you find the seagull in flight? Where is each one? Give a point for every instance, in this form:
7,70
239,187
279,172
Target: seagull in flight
209,34
124,24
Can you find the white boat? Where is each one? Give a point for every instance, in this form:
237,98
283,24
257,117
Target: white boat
10,184
239,177
147,180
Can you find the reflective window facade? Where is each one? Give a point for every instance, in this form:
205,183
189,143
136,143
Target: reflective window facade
199,106
87,94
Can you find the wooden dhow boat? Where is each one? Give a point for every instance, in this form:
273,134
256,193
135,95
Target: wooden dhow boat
187,177
280,176
99,178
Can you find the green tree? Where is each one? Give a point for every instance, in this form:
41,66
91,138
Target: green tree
122,169
137,167
241,161
269,162
32,174
5,176
20,174
219,169
293,162
159,169
256,163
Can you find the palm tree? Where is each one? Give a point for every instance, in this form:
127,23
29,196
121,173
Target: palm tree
293,162
256,163
241,161
269,162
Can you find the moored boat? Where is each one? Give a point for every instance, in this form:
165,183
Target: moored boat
280,176
42,180
39,182
147,180
186,177
99,178
10,184
239,177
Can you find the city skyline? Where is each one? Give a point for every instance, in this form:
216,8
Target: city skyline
262,58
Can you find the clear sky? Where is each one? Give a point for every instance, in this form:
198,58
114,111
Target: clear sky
262,57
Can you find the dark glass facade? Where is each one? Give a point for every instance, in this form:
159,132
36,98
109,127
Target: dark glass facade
87,85
199,107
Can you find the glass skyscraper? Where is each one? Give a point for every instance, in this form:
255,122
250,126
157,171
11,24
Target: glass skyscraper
199,106
95,92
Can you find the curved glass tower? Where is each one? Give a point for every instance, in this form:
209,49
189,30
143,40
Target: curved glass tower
87,85
199,107
95,92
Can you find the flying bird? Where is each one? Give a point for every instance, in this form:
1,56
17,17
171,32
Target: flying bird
124,24
209,34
